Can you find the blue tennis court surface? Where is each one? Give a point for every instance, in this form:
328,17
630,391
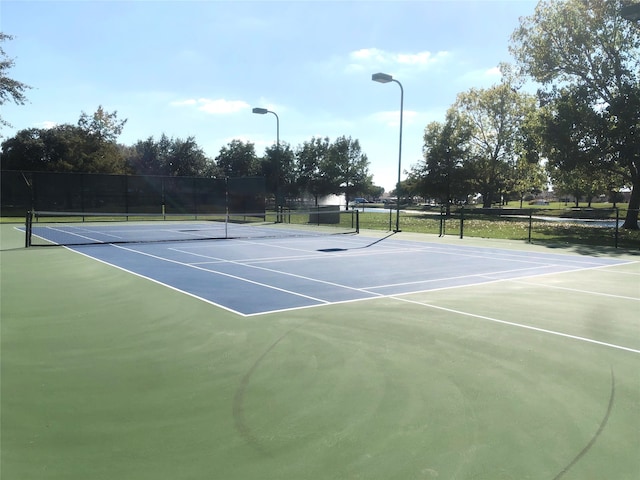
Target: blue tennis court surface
251,277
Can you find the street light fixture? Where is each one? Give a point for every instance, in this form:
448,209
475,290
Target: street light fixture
386,78
264,111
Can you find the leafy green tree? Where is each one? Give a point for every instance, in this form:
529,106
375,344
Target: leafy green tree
25,151
527,178
144,157
587,44
495,116
170,157
10,89
64,148
310,157
186,158
346,168
571,137
581,183
443,175
529,175
278,168
375,191
238,159
102,124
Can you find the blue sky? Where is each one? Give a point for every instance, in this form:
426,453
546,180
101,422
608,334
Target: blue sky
196,68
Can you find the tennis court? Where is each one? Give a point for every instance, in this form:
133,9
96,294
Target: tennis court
370,356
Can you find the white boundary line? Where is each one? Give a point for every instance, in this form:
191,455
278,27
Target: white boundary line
519,325
577,290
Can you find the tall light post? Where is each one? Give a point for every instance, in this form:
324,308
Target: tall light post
386,78
263,111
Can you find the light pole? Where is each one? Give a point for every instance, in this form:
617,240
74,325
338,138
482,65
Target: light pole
263,111
386,78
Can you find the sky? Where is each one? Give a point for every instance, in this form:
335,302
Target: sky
197,68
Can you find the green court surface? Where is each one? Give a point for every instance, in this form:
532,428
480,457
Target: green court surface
107,375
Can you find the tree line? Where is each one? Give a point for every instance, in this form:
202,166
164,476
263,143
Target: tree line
318,167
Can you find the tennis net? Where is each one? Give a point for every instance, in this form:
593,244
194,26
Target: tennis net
72,228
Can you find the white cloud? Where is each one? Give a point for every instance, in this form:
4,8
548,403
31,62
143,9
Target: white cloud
369,54
183,103
47,124
369,57
215,107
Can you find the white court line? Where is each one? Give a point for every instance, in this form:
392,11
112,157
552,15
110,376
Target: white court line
295,275
409,247
474,275
588,292
518,325
67,232
309,254
235,277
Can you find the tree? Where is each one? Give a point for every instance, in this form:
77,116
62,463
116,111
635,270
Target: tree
185,159
102,124
572,139
278,168
587,44
25,151
443,175
375,191
310,156
495,116
64,148
346,168
528,178
144,157
10,89
238,159
170,157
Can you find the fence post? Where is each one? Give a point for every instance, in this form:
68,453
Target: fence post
530,223
617,222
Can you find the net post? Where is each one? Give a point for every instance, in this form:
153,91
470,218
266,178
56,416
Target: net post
27,229
617,228
530,223
357,221
462,222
